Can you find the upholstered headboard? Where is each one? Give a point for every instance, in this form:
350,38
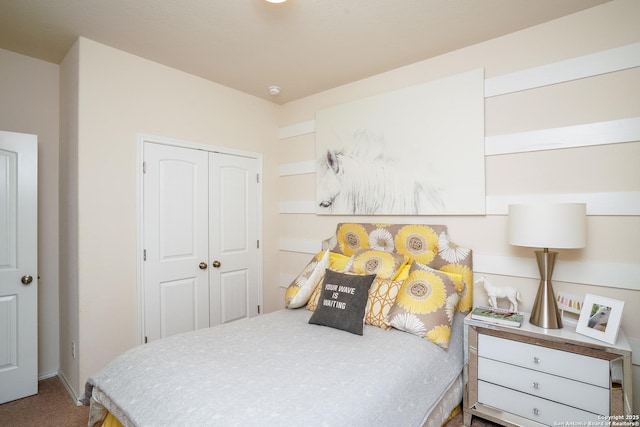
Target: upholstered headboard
421,278
429,245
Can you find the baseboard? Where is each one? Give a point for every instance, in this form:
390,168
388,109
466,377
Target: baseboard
72,393
47,375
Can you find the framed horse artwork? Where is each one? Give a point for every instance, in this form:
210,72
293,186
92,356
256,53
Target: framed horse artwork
418,150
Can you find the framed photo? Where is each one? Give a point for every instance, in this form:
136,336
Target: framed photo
600,318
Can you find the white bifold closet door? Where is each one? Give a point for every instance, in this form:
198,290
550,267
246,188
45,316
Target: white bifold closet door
201,250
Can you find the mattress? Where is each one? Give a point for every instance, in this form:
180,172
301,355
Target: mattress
276,369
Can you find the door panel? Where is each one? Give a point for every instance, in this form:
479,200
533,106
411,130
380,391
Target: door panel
18,261
233,242
178,304
176,290
234,288
8,332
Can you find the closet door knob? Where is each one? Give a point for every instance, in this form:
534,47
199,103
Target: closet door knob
203,266
26,280
216,264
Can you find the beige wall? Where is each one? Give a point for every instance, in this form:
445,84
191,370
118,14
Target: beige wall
29,104
68,178
119,96
610,168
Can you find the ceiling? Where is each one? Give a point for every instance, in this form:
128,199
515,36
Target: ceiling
302,46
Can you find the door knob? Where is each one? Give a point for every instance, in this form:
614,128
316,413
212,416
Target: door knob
26,280
216,264
203,266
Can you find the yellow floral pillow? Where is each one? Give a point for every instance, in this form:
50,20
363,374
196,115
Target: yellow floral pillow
425,305
456,259
385,265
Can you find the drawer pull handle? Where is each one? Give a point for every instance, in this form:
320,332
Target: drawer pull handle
536,360
536,385
536,411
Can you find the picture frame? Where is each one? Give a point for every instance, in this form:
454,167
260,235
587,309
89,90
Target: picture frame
600,318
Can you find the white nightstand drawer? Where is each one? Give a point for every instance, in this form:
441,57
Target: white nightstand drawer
569,365
531,407
562,390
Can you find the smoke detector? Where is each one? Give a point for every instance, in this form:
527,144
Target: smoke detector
274,90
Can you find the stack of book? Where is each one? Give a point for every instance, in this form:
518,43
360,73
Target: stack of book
498,316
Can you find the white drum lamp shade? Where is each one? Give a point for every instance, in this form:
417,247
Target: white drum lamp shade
558,226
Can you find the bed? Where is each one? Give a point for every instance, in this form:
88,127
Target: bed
346,351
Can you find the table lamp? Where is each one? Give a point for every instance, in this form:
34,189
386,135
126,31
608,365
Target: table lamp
558,226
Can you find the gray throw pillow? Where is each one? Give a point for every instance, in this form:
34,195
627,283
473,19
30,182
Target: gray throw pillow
343,301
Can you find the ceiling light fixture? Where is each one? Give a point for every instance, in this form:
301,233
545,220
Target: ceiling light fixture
276,1
274,90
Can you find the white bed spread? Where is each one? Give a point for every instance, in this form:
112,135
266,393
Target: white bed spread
278,370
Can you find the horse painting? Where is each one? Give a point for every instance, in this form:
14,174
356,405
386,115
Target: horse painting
362,180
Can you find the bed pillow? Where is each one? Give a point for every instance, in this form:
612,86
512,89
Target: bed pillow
342,301
302,287
457,259
338,262
382,295
425,305
385,265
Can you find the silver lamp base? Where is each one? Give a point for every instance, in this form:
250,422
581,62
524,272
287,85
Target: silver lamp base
545,313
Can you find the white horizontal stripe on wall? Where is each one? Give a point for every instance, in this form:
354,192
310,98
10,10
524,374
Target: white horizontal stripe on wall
607,61
610,275
601,133
285,280
297,168
305,246
613,203
297,129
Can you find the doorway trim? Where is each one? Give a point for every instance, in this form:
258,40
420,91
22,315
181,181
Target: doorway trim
141,139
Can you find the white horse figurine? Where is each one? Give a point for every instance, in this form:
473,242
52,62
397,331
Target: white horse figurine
495,292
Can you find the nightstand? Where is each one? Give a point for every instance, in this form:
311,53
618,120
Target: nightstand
529,376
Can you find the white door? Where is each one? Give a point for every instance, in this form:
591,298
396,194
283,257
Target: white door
18,266
176,287
233,237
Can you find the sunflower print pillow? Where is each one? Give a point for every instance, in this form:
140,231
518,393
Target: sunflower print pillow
425,305
384,265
